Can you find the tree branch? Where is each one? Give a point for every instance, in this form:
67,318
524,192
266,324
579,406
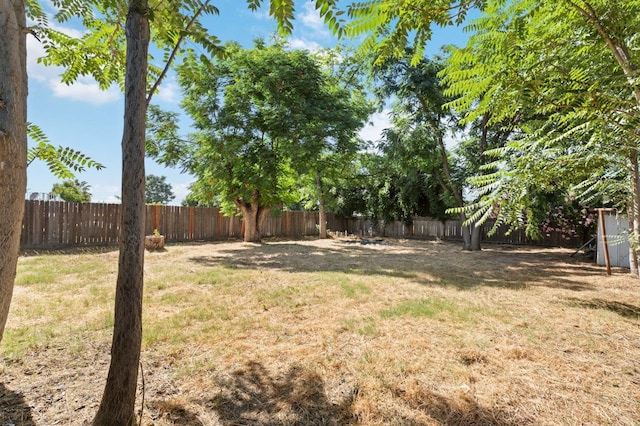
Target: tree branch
618,50
174,51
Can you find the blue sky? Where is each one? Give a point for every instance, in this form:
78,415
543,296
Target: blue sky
84,118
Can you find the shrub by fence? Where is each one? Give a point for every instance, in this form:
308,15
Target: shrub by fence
56,224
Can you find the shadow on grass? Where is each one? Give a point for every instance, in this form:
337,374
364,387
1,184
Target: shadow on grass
623,309
458,411
176,414
79,249
13,408
425,262
251,395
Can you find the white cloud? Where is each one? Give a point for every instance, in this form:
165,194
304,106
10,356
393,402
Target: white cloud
310,18
301,44
180,190
168,92
109,200
105,193
378,122
86,89
36,70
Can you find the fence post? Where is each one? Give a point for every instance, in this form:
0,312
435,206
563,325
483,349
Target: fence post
156,218
287,223
192,212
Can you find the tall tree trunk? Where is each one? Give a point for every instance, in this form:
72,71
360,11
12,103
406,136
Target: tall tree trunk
322,213
466,233
469,243
13,144
476,238
118,401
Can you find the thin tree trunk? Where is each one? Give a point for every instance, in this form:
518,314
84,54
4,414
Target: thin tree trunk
322,213
633,256
13,144
634,214
466,233
118,401
475,241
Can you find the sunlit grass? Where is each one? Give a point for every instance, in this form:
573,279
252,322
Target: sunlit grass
391,335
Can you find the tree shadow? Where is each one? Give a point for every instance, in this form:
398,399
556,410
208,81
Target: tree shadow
253,396
78,249
13,408
174,412
461,411
626,310
425,262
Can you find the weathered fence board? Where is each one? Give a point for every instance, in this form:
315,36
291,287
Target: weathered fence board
55,224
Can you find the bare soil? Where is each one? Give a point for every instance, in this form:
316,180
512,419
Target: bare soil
524,336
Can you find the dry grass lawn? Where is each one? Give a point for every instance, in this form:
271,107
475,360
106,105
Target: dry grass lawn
332,333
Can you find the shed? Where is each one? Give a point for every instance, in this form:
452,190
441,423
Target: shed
616,231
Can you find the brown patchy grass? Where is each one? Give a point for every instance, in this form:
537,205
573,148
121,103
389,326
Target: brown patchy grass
332,333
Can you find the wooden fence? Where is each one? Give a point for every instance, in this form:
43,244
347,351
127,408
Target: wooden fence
451,230
55,224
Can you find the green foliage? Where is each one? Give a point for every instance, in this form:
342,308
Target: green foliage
157,190
63,162
390,26
553,71
263,117
349,109
411,174
395,184
246,145
283,11
73,191
100,51
163,141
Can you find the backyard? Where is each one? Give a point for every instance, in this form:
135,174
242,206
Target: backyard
331,332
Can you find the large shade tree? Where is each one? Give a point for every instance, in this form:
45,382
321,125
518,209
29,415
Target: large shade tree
389,28
344,74
421,124
263,116
568,71
570,65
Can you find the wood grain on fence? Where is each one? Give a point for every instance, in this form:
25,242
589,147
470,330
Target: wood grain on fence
56,224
